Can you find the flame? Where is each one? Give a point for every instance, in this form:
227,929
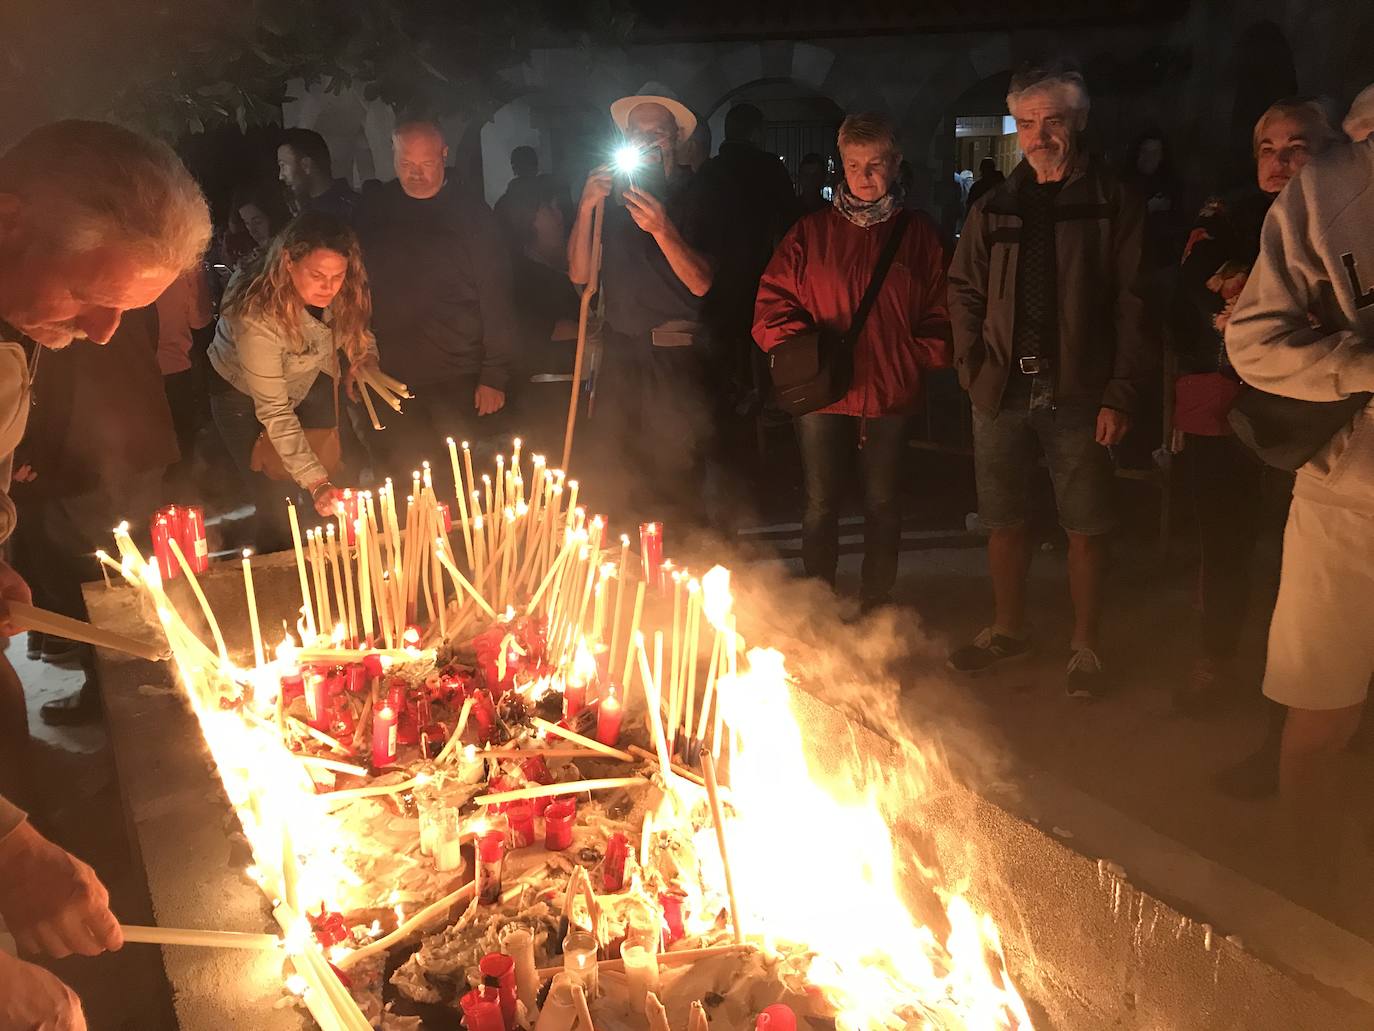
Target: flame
339,635
815,865
287,652
584,664
716,600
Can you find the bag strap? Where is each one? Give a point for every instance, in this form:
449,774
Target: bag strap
875,284
339,356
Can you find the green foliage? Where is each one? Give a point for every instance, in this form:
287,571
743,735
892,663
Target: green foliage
177,65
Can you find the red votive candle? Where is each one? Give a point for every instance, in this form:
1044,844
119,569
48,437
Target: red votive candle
520,819
482,1010
292,687
372,664
776,1018
163,531
558,824
608,719
498,971
574,696
536,770
651,549
484,712
491,851
384,736
445,518
350,512
355,678
317,700
191,537
672,903
541,805
613,868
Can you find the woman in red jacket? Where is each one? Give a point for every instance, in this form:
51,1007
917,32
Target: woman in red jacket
816,279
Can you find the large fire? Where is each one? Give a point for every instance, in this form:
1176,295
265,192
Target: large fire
817,875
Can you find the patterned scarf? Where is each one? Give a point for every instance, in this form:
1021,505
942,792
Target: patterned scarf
865,213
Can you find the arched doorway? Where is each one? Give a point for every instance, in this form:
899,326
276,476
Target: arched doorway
798,120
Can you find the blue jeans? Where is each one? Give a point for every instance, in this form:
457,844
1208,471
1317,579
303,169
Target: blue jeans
1004,455
830,451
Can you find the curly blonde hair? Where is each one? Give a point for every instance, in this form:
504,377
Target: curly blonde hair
265,292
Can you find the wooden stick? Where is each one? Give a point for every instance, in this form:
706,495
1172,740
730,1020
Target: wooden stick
583,316
718,818
58,625
405,930
209,939
585,742
573,787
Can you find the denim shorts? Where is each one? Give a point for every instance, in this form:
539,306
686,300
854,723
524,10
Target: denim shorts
1005,448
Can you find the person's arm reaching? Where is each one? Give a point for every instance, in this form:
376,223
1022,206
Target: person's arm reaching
1270,337
695,270
594,194
31,997
52,902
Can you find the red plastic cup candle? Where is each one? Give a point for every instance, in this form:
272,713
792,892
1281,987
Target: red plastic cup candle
491,853
574,695
613,867
673,903
608,718
356,678
292,686
482,1010
484,712
191,537
520,820
384,736
445,519
164,531
350,512
536,770
776,1018
498,971
558,824
651,549
372,664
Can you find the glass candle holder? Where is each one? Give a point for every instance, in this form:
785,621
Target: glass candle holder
447,839
641,972
498,971
558,824
579,959
520,820
491,854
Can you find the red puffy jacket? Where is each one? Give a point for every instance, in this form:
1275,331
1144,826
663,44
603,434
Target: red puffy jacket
817,277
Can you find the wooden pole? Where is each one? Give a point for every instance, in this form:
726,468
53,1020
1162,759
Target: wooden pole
583,315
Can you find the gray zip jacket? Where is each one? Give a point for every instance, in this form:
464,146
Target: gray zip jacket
1304,324
256,359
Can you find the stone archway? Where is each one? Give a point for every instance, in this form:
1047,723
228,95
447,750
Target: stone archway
800,119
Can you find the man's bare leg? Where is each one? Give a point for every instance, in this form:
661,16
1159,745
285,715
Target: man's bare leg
1087,561
1009,559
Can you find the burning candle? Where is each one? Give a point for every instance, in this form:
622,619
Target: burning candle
491,853
608,718
641,973
498,971
384,736
574,695
317,699
579,959
558,824
447,840
520,820
776,1018
651,548
482,1010
613,867
192,538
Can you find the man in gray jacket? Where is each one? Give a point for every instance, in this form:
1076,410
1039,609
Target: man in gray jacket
1304,328
94,220
1051,343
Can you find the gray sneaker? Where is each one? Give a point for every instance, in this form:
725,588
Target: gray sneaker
988,649
1085,680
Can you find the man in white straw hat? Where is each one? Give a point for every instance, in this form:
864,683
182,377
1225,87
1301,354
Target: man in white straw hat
659,237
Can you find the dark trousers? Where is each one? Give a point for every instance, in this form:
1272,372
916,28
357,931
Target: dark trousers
649,433
1226,480
830,451
420,430
239,429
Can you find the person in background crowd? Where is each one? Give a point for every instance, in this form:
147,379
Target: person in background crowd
1224,476
524,166
757,206
524,163
548,308
1052,345
305,166
72,485
1150,172
659,246
284,323
815,280
1303,328
184,317
94,220
443,305
811,183
989,178
257,212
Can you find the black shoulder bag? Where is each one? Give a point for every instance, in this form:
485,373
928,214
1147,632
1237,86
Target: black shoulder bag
813,369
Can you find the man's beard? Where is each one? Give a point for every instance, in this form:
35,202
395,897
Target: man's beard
57,335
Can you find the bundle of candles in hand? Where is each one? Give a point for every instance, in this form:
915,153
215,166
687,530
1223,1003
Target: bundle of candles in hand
483,785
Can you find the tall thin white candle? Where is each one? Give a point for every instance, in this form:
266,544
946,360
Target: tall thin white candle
306,607
258,658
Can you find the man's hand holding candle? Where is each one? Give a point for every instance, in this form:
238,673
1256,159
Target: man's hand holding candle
12,588
32,997
52,902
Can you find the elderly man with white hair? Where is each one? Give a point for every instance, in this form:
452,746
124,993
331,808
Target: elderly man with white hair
1050,342
94,220
659,239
